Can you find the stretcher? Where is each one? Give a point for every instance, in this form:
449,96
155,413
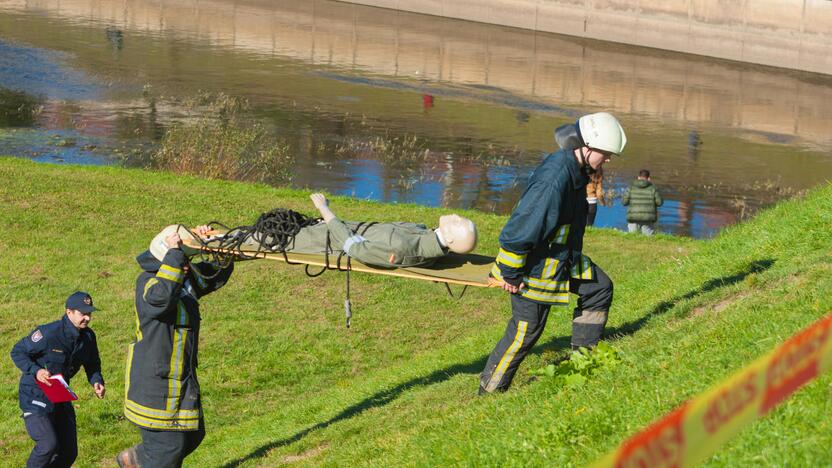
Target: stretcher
467,270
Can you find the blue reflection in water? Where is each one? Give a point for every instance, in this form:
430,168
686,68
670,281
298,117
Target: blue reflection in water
40,72
64,146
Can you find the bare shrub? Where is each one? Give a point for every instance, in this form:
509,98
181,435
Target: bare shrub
218,142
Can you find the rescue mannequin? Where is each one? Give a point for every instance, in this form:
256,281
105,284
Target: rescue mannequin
397,244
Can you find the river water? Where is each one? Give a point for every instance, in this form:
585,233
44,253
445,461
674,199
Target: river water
100,81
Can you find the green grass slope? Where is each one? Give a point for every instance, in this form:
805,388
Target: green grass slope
285,382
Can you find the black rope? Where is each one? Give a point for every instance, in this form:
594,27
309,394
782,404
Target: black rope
273,231
450,293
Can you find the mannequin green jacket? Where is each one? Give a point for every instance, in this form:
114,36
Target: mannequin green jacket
161,381
641,200
541,243
390,245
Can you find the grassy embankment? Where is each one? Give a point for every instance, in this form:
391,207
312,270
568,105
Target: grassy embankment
284,382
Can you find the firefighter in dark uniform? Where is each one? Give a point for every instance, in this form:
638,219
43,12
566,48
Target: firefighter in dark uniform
60,347
540,259
163,396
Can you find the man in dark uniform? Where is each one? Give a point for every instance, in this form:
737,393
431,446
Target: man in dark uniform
163,397
540,259
60,347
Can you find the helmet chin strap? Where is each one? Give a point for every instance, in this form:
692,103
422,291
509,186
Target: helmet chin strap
585,167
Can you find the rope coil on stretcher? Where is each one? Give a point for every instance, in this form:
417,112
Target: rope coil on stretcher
273,231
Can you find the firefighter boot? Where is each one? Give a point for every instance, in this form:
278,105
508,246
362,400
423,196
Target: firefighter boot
128,458
587,328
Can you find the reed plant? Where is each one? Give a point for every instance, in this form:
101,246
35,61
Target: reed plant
218,141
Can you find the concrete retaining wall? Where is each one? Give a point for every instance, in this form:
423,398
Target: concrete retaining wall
794,34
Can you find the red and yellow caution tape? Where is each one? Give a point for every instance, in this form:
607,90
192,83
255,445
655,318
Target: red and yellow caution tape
697,428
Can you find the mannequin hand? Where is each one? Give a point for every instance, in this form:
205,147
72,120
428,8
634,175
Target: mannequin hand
321,203
319,200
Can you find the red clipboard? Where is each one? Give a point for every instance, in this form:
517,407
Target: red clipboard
59,392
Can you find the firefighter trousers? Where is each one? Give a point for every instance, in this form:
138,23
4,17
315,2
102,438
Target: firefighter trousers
528,319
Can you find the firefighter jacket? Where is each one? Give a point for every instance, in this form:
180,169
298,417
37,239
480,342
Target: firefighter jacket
161,381
541,243
60,348
379,244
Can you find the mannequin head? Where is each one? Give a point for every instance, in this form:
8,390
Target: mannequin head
459,234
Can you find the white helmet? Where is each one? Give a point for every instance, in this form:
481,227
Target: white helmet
159,248
460,234
603,132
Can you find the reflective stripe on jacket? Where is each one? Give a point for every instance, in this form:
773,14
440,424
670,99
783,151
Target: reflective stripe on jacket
542,240
161,386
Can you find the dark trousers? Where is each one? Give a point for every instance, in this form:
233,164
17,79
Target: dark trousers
528,320
167,449
56,441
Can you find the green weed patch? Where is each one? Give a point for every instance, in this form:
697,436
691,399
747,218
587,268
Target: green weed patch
580,366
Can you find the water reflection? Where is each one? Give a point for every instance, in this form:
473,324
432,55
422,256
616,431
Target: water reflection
722,139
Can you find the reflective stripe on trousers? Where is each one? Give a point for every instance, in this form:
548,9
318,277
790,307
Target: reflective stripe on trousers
528,319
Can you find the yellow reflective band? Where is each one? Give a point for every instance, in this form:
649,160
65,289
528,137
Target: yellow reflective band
175,423
508,356
511,259
127,371
550,268
495,272
159,414
583,270
562,234
587,273
554,297
147,287
170,273
138,328
548,285
180,335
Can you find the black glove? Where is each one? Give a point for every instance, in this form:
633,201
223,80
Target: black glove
516,281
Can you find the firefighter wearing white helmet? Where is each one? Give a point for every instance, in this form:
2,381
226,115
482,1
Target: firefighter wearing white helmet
540,261
603,132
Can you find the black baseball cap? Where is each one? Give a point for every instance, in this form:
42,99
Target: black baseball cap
80,301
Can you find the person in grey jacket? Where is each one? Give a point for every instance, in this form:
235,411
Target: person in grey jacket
642,200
